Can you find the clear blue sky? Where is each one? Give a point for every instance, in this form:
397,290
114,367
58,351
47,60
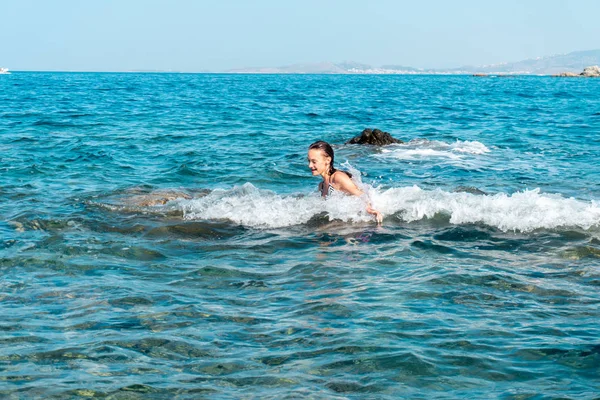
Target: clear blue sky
205,35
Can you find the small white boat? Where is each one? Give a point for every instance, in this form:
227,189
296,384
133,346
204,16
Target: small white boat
4,71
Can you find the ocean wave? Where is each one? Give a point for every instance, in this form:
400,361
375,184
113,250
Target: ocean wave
423,148
522,211
56,124
249,206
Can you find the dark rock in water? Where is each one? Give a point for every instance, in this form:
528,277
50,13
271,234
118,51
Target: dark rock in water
374,137
470,189
588,72
593,71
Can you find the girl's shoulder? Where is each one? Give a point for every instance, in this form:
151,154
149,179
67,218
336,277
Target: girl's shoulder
344,182
340,177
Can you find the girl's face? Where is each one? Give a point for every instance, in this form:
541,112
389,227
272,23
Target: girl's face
318,162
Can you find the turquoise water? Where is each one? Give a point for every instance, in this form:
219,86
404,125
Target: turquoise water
482,282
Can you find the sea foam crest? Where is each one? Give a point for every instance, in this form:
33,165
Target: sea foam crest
423,148
522,211
469,147
250,206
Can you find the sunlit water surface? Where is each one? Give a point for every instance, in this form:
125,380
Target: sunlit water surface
482,282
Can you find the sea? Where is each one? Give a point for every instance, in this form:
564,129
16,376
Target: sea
161,237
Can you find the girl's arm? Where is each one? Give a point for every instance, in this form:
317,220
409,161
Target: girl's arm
346,185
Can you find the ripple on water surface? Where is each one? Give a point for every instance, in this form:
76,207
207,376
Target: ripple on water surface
162,238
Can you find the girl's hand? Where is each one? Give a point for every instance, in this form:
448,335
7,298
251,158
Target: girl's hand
377,214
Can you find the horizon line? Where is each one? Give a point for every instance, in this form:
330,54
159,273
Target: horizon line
470,73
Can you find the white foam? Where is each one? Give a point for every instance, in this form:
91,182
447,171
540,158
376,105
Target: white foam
249,206
423,148
469,147
521,211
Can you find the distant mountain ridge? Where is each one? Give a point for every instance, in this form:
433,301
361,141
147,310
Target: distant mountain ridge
571,62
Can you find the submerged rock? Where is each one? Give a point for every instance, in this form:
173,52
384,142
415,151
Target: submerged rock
159,197
374,137
470,189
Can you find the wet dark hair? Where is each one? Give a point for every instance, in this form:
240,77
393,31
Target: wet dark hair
328,150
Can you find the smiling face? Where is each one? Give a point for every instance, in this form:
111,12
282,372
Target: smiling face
318,162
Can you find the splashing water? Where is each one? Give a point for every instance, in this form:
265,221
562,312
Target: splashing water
524,211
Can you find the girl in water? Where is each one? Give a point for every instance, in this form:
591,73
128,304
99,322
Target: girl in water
320,162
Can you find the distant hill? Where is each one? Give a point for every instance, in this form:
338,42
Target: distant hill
571,62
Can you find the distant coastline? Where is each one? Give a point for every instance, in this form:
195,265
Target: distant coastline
554,65
573,62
